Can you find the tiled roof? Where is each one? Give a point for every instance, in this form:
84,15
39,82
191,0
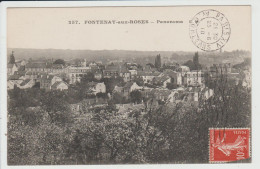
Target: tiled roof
56,84
128,84
124,70
57,66
166,71
47,77
14,77
194,89
38,65
157,92
161,79
184,67
92,84
169,72
118,89
20,73
25,82
21,68
93,62
35,73
112,68
145,73
98,72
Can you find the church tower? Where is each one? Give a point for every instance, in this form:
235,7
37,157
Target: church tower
12,59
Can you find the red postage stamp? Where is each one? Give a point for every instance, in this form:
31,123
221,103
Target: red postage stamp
227,144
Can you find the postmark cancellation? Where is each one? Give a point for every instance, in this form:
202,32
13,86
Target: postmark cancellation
209,30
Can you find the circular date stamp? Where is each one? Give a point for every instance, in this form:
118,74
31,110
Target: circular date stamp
209,30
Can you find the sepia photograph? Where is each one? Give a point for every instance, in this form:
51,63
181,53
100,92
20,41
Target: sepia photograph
128,85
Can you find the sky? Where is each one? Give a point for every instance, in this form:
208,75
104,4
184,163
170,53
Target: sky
44,28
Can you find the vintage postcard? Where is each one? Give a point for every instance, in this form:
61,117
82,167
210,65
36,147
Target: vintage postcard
128,85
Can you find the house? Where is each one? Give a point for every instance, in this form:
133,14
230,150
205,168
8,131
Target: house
149,67
16,77
46,67
173,96
125,109
129,87
86,104
27,83
160,94
83,63
207,93
183,70
191,97
21,63
246,80
98,74
221,68
11,68
146,92
111,71
125,74
235,78
194,94
57,68
76,73
21,74
147,76
34,75
93,65
161,81
133,73
38,67
60,85
95,87
21,68
193,78
133,66
118,89
12,83
82,105
176,77
46,81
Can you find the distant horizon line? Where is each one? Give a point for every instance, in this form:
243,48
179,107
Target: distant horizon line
133,50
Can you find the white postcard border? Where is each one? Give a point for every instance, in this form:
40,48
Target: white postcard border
255,74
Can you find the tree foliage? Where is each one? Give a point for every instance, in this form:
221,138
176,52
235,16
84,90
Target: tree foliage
136,96
42,129
112,82
59,61
171,86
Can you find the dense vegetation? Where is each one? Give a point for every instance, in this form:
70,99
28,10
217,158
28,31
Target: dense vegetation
42,129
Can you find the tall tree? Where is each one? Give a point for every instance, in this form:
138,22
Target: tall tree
158,62
196,63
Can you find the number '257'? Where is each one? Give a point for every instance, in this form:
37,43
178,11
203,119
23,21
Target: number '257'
73,22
